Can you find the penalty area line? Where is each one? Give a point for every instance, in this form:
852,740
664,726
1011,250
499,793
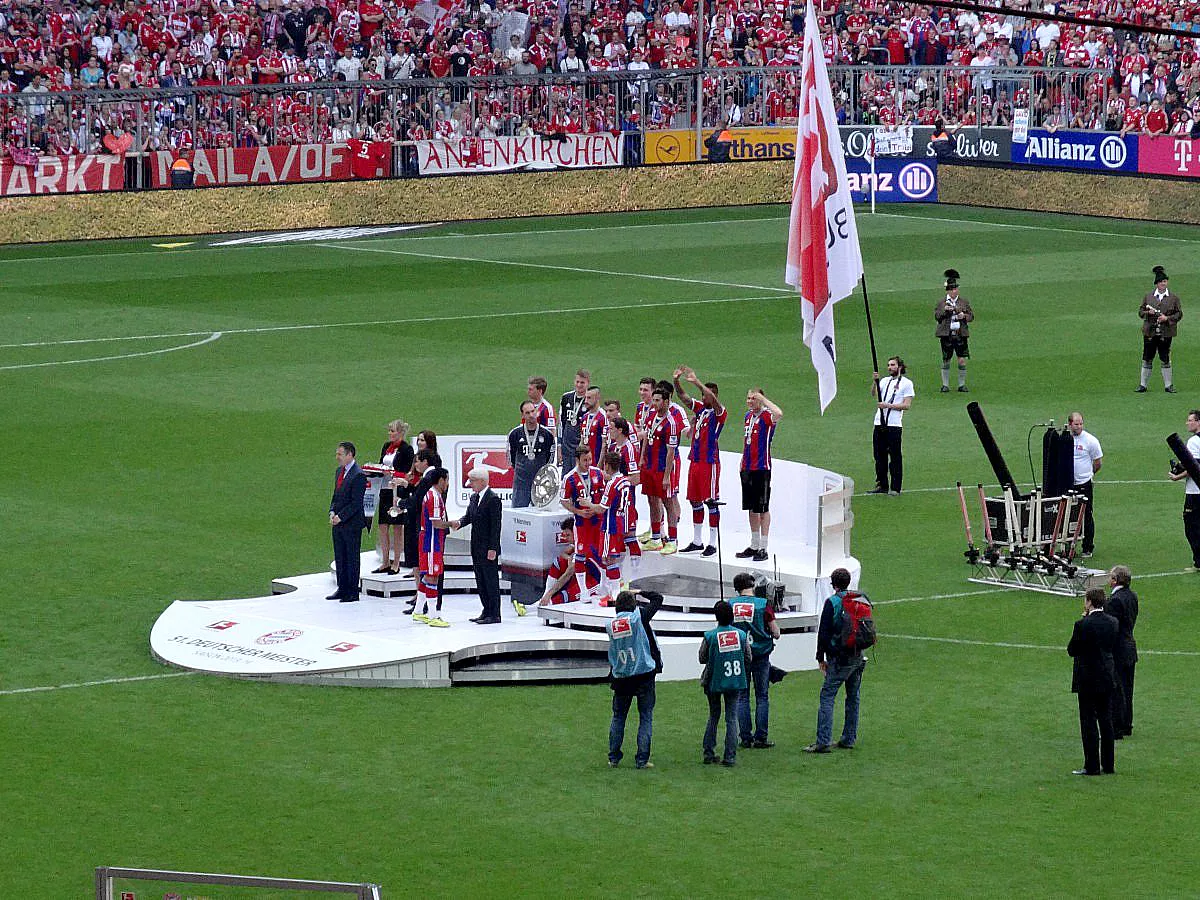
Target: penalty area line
1010,645
212,336
83,684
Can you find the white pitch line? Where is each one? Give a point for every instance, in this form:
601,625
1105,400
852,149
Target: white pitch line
83,684
575,269
1005,590
1007,645
212,336
1144,237
375,323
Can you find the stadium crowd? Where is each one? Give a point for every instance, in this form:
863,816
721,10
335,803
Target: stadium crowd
1125,81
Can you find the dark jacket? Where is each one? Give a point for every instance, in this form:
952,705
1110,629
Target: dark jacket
1092,644
347,500
943,314
1123,606
403,460
1150,310
718,144
483,515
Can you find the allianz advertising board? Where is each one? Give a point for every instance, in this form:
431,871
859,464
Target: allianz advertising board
1097,151
899,180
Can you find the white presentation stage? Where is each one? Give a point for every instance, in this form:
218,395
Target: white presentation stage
296,635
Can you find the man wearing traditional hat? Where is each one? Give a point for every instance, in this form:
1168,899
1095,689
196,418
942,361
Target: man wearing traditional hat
953,315
1160,313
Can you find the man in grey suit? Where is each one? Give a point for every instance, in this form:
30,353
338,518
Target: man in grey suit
483,515
1093,680
1122,605
348,521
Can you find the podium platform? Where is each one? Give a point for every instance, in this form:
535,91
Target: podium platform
297,636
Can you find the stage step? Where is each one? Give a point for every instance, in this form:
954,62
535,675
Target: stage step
554,660
590,617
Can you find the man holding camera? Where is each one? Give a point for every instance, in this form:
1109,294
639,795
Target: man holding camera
1160,313
755,616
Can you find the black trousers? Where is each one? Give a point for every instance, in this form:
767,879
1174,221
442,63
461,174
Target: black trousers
1191,525
1089,524
347,545
1123,703
1096,731
487,582
1159,345
889,460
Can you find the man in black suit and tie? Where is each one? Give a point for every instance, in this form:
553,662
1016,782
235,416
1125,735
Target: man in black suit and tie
1093,680
346,517
1122,605
483,515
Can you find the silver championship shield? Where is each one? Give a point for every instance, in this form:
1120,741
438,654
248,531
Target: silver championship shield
546,485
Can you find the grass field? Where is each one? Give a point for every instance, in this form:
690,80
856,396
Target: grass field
203,471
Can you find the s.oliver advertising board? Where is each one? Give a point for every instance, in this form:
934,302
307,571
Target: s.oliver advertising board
1168,155
1095,151
897,180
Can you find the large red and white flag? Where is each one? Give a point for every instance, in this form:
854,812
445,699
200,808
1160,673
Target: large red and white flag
823,258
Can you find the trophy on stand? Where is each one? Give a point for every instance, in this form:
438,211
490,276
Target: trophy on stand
546,486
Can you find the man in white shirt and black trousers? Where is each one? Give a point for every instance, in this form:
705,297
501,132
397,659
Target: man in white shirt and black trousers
1088,457
895,394
1191,494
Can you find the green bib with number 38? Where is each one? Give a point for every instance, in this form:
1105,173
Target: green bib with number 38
727,658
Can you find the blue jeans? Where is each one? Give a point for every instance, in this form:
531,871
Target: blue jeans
616,731
714,716
850,674
760,670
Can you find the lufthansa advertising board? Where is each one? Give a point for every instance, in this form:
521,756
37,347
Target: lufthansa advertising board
896,180
1096,151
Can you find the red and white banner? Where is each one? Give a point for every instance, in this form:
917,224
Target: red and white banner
277,165
823,258
1169,155
63,175
505,154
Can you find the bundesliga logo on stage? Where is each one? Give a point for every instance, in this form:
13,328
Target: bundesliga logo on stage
493,459
221,626
279,637
343,647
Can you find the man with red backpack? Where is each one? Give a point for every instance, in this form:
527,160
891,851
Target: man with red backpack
846,630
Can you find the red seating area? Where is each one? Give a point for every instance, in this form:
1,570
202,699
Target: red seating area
49,46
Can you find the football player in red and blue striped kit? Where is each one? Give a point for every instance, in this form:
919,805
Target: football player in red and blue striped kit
618,523
657,466
583,487
761,418
704,459
432,544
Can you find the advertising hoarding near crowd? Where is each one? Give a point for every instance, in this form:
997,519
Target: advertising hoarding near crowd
505,154
1096,151
896,180
1166,155
63,175
261,165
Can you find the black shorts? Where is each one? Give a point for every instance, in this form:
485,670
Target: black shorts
955,346
1159,345
382,516
756,490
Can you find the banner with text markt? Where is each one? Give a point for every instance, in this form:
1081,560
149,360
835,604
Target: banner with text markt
1169,155
63,175
259,165
506,154
1092,150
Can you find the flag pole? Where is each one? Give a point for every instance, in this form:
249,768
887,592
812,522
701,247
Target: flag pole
870,327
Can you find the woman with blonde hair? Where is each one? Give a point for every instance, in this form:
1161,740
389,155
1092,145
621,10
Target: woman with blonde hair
397,454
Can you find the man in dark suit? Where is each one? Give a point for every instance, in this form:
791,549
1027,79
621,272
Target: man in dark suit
348,521
1122,605
483,515
1093,680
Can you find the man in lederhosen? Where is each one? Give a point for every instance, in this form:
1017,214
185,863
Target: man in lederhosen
1160,313
953,315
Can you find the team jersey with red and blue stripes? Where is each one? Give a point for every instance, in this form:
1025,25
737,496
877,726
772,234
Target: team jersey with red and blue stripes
706,432
545,415
643,416
760,431
433,507
675,411
617,501
593,433
662,438
630,451
577,488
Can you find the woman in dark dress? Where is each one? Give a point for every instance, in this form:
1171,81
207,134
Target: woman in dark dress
397,454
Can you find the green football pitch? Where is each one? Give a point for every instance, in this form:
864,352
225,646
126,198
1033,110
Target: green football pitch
170,418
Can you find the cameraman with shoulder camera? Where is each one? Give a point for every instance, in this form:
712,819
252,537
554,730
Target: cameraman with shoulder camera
755,615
